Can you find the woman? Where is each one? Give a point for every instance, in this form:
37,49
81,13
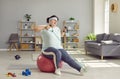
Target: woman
52,47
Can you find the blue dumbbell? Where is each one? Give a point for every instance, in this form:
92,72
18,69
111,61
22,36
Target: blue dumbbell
26,72
17,57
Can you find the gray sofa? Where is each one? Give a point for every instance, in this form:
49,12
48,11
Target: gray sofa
105,45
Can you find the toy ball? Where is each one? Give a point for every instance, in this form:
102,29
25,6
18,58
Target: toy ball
45,64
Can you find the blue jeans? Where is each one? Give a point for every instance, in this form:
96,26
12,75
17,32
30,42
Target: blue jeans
61,54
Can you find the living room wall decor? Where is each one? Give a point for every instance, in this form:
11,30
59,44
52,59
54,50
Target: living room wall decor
114,7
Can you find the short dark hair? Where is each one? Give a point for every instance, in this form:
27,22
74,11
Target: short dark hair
47,20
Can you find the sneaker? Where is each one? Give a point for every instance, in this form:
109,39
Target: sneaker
81,72
84,68
57,71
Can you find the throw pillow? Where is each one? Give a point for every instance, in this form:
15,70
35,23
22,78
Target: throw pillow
106,36
100,37
111,36
117,38
107,42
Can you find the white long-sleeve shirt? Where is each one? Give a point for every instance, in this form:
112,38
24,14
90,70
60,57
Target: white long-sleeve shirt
51,38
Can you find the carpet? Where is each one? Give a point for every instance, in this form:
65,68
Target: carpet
96,63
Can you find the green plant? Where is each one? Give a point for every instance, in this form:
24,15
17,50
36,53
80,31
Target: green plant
27,16
90,36
71,18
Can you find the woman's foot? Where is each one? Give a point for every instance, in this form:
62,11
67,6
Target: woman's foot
83,69
81,72
57,71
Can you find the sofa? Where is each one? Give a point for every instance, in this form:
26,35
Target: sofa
104,45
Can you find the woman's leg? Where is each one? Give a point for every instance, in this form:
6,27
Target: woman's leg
68,59
54,54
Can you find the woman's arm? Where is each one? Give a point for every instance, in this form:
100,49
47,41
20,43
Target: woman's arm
40,27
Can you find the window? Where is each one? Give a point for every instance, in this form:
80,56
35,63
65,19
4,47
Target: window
106,16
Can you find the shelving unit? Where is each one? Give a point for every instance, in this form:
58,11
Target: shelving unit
27,37
71,37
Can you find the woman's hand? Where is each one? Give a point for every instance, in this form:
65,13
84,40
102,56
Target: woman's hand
47,27
35,28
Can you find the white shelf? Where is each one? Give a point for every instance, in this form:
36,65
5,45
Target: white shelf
71,21
27,49
27,21
73,29
71,38
72,49
27,36
72,42
27,42
26,29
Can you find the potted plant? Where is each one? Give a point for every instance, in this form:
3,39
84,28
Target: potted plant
71,19
90,36
28,17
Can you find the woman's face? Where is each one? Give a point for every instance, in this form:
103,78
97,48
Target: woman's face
53,22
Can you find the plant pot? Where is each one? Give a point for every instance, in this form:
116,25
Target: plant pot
28,19
71,20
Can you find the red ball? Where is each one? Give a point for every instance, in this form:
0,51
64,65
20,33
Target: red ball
45,64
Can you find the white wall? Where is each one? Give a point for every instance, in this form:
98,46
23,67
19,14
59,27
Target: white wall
99,19
11,11
115,18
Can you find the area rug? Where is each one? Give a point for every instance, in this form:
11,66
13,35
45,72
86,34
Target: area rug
97,63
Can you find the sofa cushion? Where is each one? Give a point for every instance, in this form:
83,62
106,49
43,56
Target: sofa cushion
94,45
114,37
117,38
110,42
100,37
111,37
106,37
107,42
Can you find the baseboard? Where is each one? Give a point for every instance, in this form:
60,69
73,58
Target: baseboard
6,49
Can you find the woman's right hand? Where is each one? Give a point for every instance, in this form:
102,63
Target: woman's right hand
47,27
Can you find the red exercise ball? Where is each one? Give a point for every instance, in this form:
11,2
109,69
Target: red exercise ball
46,65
